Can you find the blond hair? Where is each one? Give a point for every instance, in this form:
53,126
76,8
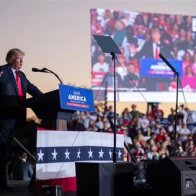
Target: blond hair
12,54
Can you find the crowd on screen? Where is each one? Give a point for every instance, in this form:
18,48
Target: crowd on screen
148,136
145,35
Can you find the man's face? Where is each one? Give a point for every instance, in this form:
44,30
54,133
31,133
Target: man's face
17,62
101,59
156,36
131,68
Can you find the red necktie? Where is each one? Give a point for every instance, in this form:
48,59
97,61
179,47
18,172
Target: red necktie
156,56
19,85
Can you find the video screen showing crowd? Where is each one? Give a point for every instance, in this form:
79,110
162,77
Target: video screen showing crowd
141,37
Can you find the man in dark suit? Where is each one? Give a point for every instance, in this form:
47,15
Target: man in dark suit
13,88
22,169
131,80
152,49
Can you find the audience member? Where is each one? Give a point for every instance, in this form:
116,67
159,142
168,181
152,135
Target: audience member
22,169
101,65
131,79
146,135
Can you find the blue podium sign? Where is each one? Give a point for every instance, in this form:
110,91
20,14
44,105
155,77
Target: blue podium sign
74,98
157,68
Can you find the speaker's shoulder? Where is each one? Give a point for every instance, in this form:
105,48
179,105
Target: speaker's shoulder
4,67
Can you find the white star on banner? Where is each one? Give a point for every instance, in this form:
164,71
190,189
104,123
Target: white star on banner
110,153
78,154
54,154
90,154
119,154
40,155
67,153
101,154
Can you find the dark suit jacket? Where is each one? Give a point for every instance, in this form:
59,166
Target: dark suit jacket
22,170
128,83
12,109
147,51
110,80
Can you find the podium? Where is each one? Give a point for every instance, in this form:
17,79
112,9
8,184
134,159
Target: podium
47,108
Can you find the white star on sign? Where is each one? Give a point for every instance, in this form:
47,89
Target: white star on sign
54,154
40,155
78,154
119,154
101,154
90,154
67,153
110,152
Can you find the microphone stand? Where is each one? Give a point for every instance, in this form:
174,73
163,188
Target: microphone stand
50,71
108,45
129,152
24,148
176,109
114,63
105,97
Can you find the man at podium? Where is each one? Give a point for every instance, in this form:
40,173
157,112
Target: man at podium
13,88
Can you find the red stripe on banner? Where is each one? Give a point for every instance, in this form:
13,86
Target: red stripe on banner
77,105
68,184
41,129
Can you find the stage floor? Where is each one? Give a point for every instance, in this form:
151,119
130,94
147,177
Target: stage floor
20,188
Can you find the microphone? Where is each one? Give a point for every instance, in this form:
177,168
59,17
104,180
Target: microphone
45,70
38,70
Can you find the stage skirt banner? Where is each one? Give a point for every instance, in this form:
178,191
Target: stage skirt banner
57,152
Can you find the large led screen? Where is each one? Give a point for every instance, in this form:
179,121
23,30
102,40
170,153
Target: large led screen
141,37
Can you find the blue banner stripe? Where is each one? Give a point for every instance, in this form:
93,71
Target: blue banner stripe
157,68
75,98
72,154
